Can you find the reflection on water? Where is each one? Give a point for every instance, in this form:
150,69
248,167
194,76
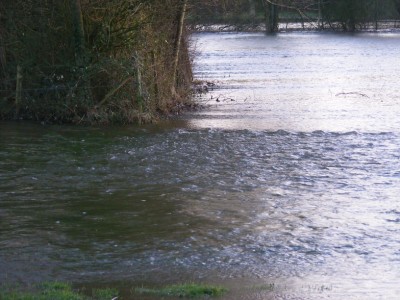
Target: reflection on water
295,213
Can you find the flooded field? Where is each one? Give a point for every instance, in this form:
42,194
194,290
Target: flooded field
286,186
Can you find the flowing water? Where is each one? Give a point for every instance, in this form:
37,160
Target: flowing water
286,186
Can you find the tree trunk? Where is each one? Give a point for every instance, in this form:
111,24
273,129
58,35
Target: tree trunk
178,42
252,10
138,80
18,91
320,19
79,34
397,5
81,58
271,17
351,22
2,56
376,15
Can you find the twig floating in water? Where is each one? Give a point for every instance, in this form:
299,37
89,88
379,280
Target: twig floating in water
352,93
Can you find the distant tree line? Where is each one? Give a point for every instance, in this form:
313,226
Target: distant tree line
347,15
83,61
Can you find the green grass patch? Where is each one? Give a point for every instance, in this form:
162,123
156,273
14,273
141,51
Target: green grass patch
44,291
190,290
104,294
263,287
56,291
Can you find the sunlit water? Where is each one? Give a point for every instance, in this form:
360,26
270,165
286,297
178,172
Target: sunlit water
301,82
291,191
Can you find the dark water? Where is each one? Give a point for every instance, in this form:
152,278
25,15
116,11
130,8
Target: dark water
276,196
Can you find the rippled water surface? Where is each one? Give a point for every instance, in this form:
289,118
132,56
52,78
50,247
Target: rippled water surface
287,187
301,82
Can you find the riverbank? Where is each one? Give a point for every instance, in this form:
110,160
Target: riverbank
306,26
96,63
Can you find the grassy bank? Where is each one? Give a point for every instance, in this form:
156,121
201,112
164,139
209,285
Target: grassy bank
64,291
190,290
57,291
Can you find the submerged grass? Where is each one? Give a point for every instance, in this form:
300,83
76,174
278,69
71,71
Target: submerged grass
190,290
64,291
57,291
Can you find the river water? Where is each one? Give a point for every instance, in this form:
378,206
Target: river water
285,186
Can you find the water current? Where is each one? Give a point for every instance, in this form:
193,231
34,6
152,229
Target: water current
285,186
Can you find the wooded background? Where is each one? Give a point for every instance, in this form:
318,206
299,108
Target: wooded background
347,15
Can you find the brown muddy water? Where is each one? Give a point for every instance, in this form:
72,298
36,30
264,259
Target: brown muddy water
286,186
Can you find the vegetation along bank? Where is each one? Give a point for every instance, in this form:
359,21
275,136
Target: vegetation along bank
93,62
